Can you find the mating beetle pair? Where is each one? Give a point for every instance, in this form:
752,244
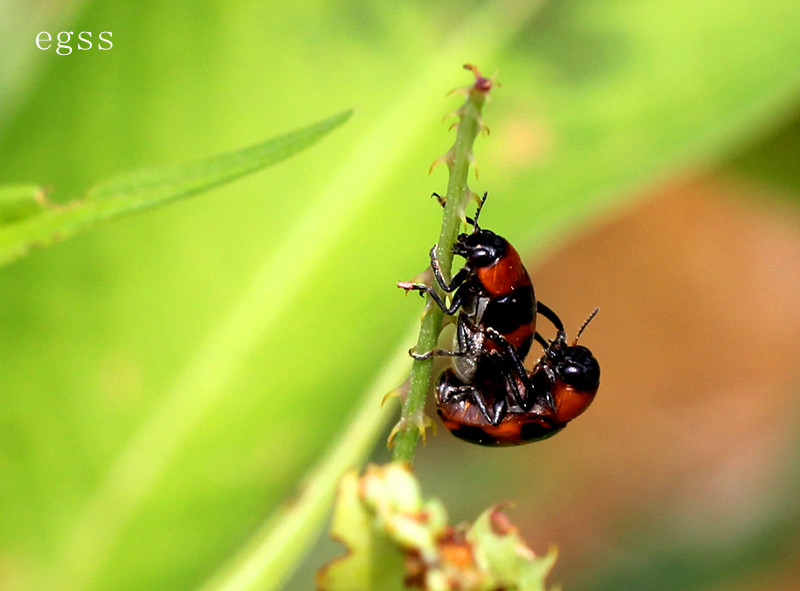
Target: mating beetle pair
487,397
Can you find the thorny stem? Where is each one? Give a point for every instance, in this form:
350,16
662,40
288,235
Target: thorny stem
458,159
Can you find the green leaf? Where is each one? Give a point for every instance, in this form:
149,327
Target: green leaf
373,559
499,546
142,190
394,537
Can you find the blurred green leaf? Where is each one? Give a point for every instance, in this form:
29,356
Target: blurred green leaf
373,559
773,159
266,561
500,547
395,539
146,189
626,93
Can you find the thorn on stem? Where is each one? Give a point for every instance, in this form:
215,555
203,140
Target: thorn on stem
446,158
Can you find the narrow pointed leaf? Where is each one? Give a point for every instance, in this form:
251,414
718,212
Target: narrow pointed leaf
30,226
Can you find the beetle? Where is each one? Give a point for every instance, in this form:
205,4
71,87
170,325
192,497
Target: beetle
497,308
493,288
560,387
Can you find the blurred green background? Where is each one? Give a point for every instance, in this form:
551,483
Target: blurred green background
643,156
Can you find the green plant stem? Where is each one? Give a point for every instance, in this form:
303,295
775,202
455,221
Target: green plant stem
458,160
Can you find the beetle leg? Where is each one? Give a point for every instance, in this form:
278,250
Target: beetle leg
458,393
519,387
471,394
541,340
454,282
552,317
423,289
508,356
499,408
434,353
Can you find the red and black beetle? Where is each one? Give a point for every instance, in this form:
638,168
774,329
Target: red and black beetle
497,309
561,386
488,397
493,287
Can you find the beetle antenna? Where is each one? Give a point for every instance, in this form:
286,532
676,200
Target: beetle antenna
585,324
472,221
475,226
